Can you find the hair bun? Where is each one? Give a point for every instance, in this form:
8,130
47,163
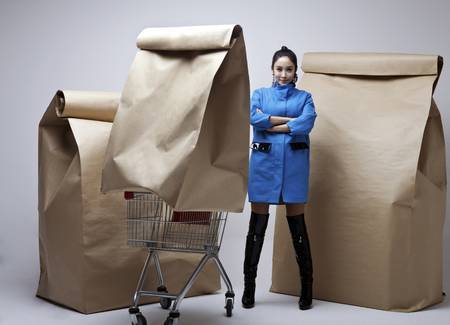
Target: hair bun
284,48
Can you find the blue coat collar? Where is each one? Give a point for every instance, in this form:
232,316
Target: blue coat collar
283,91
278,86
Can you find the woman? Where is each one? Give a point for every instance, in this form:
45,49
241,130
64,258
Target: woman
282,117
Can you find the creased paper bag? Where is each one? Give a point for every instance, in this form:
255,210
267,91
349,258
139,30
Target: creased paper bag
84,258
377,183
181,130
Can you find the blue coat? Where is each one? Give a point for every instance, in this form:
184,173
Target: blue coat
279,171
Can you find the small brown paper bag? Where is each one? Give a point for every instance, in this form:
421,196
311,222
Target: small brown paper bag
85,261
181,130
377,183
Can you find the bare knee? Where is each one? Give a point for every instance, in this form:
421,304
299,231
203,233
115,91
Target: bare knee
295,209
260,208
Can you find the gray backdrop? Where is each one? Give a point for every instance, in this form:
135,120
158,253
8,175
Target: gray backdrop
89,45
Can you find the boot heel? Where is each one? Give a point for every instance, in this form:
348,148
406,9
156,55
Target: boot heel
248,298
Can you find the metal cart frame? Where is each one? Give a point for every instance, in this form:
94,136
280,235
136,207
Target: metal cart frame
153,224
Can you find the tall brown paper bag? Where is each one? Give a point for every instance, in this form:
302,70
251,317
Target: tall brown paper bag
181,130
85,261
377,184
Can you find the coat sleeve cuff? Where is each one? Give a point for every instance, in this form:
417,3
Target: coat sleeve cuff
291,127
266,121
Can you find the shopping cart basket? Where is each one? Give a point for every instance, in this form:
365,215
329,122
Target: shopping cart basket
154,224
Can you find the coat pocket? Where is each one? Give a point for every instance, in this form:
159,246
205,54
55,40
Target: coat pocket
261,146
299,145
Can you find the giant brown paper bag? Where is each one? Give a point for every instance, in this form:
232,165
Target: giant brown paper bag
85,262
181,130
377,184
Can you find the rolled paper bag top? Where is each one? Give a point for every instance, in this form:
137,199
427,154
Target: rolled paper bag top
190,38
372,64
91,105
181,130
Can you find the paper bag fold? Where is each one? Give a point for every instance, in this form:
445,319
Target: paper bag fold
85,262
181,130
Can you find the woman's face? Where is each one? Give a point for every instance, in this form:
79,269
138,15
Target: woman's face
284,70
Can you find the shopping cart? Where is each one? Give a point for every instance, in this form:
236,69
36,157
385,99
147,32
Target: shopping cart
154,224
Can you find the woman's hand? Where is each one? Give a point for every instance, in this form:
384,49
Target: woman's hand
282,128
278,122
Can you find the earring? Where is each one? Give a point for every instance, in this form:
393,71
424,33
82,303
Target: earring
273,80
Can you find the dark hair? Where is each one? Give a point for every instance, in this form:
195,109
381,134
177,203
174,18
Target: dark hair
284,51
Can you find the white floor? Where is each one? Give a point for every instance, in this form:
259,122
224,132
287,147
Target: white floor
18,305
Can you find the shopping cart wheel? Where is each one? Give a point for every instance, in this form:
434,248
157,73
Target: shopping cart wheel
164,302
229,303
171,321
229,307
141,320
136,317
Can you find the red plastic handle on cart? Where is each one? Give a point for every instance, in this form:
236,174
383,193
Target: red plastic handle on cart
128,195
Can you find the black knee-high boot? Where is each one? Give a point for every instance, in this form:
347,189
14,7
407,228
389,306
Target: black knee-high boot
302,249
254,243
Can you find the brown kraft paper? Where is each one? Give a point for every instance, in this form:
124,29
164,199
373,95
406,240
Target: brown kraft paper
181,130
85,262
377,185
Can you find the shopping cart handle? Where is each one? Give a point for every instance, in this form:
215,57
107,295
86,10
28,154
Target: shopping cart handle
128,195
